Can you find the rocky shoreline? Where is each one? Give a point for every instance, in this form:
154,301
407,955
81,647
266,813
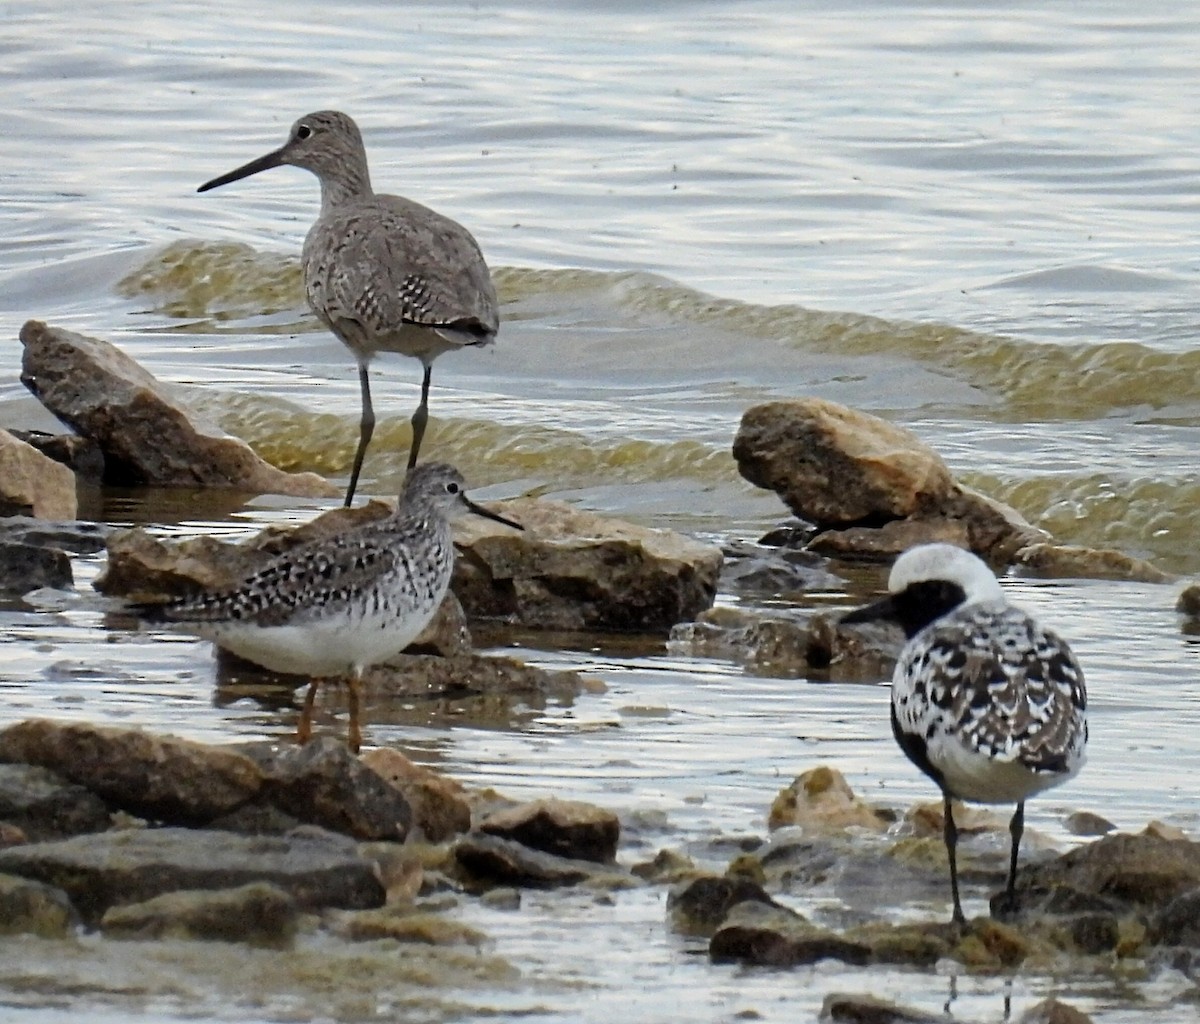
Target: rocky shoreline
122,834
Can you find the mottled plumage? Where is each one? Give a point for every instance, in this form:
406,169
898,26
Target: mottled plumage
988,703
333,606
384,273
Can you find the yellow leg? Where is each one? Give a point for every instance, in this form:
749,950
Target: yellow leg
304,728
355,737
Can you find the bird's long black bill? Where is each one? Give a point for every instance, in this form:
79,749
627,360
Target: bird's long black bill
479,510
884,608
263,163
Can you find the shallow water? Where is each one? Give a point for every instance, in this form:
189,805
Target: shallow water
976,222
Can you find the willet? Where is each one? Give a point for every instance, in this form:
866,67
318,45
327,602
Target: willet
383,273
986,702
334,606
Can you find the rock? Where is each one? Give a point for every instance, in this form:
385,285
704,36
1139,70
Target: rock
1053,1011
24,567
1141,873
817,647
156,777
323,784
78,537
129,866
147,436
81,455
1162,830
439,804
844,1008
259,913
45,806
887,541
1059,560
574,570
496,861
773,936
33,484
1189,601
667,867
698,906
1178,923
565,828
426,929
1085,823
835,466
821,799
33,908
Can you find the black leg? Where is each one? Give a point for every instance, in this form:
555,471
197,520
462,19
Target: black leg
420,418
950,832
366,428
1016,829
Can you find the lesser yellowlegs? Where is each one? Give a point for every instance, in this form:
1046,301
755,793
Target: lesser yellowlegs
332,607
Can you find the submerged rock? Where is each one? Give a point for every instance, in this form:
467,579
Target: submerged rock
260,913
492,860
114,868
846,1008
45,806
147,436
699,906
409,927
32,484
26,567
773,936
34,908
565,828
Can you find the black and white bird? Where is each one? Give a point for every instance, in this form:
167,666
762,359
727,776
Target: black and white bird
985,701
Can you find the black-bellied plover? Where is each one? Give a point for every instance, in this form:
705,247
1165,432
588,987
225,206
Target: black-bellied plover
383,273
334,606
986,702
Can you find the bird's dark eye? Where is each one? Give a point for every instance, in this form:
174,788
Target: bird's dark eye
303,131
452,488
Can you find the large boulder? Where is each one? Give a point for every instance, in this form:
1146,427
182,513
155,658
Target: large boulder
147,436
32,483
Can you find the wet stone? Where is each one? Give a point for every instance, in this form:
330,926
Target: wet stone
146,435
773,936
821,799
258,913
322,783
1178,923
26,567
1053,1011
113,868
29,907
699,906
68,535
32,484
45,806
497,861
159,778
439,804
427,929
1085,823
565,828
845,1008
81,455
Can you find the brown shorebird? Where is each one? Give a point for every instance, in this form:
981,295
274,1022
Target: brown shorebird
383,273
334,606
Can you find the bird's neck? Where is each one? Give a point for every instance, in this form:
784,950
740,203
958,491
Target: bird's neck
348,184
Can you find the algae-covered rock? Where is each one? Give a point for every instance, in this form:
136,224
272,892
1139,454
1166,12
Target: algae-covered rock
412,927
494,860
698,906
848,1008
773,936
317,869
45,806
258,913
34,908
822,799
